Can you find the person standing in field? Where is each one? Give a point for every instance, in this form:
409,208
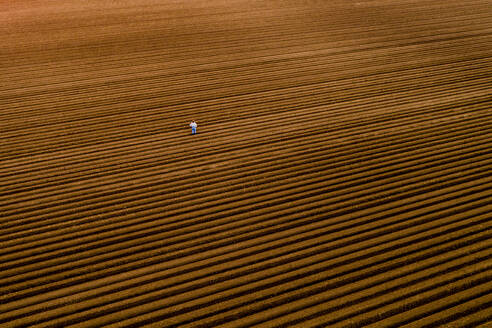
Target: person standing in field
193,127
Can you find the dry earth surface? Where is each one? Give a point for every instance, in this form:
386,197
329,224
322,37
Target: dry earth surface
341,176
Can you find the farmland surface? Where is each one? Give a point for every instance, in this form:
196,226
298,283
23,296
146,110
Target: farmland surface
340,177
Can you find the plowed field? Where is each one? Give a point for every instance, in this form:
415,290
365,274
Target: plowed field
341,175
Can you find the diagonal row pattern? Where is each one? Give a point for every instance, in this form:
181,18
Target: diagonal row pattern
341,176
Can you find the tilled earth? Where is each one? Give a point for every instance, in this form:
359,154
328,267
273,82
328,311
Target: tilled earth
340,177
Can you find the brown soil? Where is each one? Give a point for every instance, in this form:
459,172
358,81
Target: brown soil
340,176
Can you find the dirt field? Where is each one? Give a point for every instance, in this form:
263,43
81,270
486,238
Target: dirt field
340,177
